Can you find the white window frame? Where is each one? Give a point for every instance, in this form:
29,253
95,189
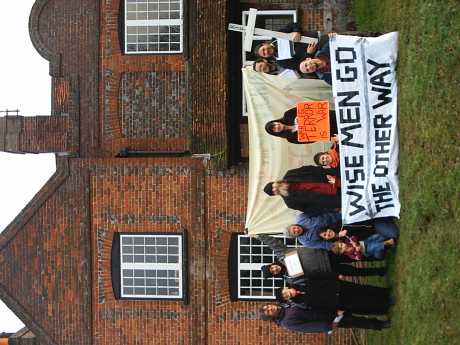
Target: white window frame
178,267
256,267
157,22
244,19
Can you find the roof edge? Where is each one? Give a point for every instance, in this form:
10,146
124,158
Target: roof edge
37,40
20,312
54,182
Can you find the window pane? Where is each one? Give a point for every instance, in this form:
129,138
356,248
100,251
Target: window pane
150,259
139,273
128,282
128,258
175,47
164,38
128,290
254,254
152,15
176,30
173,259
139,291
138,258
173,250
162,259
139,282
151,291
150,240
150,250
138,240
150,282
173,241
128,273
162,250
139,250
126,240
162,282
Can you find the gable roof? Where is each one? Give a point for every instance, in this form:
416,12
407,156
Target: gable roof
44,262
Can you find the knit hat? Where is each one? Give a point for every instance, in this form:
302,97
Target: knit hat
268,188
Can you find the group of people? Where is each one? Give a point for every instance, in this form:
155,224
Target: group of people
320,297
310,60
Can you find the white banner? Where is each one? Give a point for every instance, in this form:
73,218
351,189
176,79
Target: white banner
365,93
268,97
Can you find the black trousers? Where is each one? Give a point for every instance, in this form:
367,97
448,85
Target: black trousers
352,321
363,299
349,270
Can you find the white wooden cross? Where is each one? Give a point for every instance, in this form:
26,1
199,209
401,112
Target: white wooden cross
250,30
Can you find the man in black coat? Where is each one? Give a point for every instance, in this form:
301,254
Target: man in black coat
296,318
336,294
310,189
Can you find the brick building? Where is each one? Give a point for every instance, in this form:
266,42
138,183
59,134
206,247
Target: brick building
134,239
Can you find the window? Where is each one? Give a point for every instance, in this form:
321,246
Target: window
150,266
252,254
153,26
270,20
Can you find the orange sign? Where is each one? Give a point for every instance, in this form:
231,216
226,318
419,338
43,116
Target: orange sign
313,121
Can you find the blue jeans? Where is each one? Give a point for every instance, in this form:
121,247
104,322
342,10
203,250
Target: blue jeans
386,227
374,247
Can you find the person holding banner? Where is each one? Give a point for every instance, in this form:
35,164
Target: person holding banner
319,64
373,247
307,225
329,158
295,51
309,189
287,127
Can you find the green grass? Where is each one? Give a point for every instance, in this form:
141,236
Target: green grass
425,270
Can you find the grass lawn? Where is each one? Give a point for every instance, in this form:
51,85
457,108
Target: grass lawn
425,270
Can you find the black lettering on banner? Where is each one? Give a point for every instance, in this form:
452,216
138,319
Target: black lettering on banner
382,195
347,77
354,173
382,125
381,121
349,136
348,117
355,198
378,82
346,55
348,95
342,52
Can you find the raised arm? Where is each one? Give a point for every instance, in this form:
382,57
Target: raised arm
276,244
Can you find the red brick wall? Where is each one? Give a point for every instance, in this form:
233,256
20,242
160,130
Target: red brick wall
37,134
119,132
66,32
147,195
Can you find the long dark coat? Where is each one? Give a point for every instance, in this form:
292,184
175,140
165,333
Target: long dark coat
310,202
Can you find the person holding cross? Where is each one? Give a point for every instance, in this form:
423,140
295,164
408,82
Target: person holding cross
299,51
